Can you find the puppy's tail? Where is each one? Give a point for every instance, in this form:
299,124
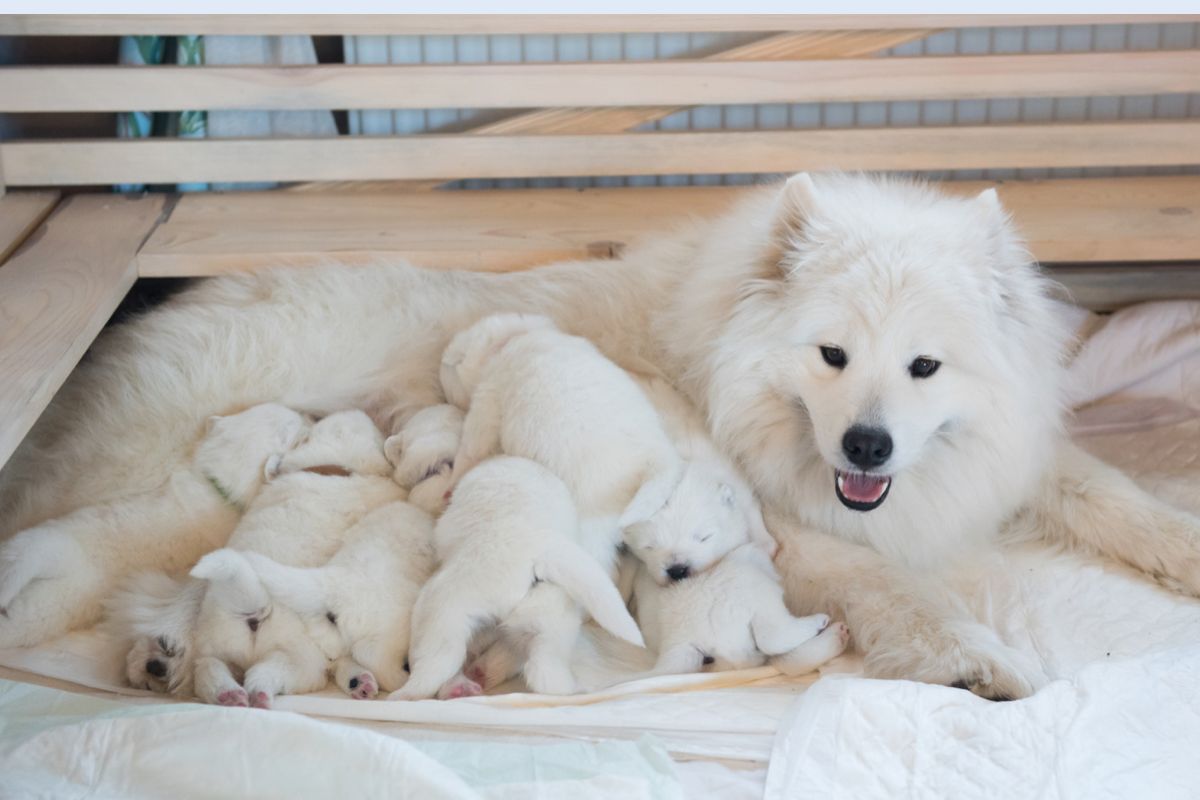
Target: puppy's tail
569,566
35,554
304,590
661,480
241,590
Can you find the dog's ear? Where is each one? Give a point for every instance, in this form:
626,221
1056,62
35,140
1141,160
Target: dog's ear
393,449
271,468
793,210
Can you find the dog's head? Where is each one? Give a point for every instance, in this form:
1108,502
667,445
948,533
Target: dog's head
157,615
346,439
423,454
465,357
888,333
236,448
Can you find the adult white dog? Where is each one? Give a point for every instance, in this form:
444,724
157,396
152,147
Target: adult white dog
810,309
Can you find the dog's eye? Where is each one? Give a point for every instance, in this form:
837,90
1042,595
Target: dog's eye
834,356
704,537
923,367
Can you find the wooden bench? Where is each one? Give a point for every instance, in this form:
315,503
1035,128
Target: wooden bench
67,263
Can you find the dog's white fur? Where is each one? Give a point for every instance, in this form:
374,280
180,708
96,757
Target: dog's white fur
298,518
511,524
423,454
733,617
52,574
731,311
359,604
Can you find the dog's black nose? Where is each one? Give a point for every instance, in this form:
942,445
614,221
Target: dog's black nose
156,668
678,572
867,447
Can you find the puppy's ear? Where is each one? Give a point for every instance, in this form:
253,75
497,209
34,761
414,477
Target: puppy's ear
793,210
393,449
726,495
271,468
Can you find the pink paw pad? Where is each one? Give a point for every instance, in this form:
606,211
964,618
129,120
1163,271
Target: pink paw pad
459,689
234,697
363,686
260,700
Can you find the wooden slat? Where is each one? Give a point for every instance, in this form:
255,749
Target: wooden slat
650,83
482,24
20,214
1106,288
36,163
56,293
1090,220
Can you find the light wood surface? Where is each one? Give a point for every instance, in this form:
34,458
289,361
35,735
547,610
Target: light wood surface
1088,220
55,295
482,24
55,163
648,83
20,214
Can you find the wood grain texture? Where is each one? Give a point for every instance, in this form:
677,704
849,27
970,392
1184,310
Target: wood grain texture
483,24
55,295
57,163
1087,221
20,214
648,83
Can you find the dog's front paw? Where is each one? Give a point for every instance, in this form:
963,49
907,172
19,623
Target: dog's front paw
362,686
236,698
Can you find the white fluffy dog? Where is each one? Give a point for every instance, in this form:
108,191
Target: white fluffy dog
731,617
423,454
317,492
359,605
510,553
806,322
50,574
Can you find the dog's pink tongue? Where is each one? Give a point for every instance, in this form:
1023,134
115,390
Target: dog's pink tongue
863,488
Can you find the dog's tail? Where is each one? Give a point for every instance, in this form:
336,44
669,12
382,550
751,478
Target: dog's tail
241,589
569,566
660,481
304,590
32,555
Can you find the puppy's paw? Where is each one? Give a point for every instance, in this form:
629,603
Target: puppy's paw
260,700
810,655
236,698
460,687
362,686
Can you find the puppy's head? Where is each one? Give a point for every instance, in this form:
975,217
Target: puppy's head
157,615
348,439
234,588
700,523
236,448
464,358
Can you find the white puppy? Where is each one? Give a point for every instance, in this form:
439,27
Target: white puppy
49,572
317,492
731,617
423,455
509,543
358,607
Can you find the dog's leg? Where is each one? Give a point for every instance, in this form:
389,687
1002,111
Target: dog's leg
496,665
547,668
827,645
776,631
216,685
283,672
903,631
1087,504
480,435
354,679
678,659
443,621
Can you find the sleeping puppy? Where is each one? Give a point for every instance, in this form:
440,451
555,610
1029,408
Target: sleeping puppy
510,553
316,492
47,571
358,606
731,616
423,455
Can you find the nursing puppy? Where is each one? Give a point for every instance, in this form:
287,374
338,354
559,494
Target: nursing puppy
317,492
731,617
423,455
358,606
50,573
510,552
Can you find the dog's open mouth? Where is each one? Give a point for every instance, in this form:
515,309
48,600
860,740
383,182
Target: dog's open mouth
861,491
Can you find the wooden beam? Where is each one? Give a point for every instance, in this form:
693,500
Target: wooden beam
57,293
1075,221
650,83
483,24
20,214
56,163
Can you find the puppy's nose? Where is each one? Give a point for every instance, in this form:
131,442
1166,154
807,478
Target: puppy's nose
867,447
678,572
156,668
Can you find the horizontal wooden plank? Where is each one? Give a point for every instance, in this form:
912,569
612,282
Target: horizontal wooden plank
20,214
55,295
120,88
1109,287
81,161
1074,221
481,24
